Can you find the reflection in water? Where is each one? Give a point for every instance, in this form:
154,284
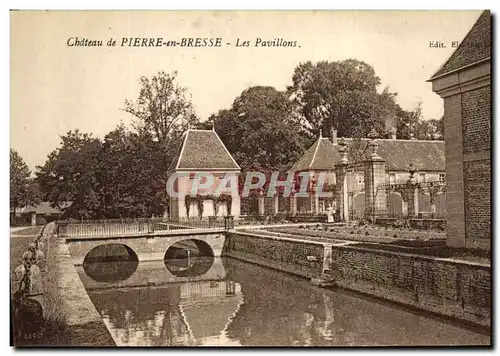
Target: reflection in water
110,262
110,271
262,307
189,267
189,258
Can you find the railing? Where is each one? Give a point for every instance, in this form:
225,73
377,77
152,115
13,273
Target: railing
125,227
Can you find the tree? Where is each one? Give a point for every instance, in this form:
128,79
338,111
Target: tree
342,95
162,107
262,133
260,130
73,173
162,112
23,190
411,125
134,178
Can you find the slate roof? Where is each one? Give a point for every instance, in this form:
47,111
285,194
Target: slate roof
203,149
475,47
425,155
320,156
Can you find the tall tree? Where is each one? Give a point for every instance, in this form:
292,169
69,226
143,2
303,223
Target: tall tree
163,107
23,190
162,112
342,95
260,130
73,173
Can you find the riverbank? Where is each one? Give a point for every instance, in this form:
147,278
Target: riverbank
67,305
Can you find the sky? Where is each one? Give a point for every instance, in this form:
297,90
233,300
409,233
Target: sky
56,88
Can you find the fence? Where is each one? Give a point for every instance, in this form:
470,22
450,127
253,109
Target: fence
124,227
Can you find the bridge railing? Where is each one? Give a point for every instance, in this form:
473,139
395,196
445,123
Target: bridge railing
124,227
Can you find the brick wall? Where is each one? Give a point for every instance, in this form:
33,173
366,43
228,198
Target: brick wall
452,288
477,199
285,255
476,120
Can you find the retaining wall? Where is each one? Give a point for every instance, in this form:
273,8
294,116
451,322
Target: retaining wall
303,258
451,288
454,288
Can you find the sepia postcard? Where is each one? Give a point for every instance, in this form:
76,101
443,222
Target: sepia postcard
250,178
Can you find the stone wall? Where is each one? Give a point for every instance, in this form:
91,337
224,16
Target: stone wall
302,258
456,289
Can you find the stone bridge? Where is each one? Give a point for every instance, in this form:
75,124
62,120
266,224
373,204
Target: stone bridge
147,247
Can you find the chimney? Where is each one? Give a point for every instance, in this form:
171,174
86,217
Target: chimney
334,136
393,132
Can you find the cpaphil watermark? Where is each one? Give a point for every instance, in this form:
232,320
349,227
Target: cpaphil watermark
207,183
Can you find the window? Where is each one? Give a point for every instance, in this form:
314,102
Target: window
392,178
422,177
442,177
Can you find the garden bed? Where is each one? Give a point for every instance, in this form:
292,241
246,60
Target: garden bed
364,235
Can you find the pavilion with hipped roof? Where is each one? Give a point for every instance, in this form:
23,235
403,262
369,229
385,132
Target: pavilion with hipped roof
202,151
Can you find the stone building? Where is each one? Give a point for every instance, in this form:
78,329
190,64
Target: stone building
464,82
424,160
202,151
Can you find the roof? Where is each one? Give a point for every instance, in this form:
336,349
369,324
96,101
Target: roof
425,155
322,155
44,208
203,149
475,47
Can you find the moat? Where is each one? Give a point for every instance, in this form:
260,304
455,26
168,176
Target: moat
249,305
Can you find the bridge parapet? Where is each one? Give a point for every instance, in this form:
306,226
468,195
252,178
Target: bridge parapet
133,227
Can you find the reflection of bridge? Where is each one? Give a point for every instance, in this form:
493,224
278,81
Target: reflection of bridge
197,311
147,247
154,274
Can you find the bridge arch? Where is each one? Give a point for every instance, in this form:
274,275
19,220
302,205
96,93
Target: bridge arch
110,262
189,257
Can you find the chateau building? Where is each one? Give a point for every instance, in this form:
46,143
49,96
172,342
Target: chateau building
424,160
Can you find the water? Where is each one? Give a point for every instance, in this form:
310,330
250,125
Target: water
240,304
